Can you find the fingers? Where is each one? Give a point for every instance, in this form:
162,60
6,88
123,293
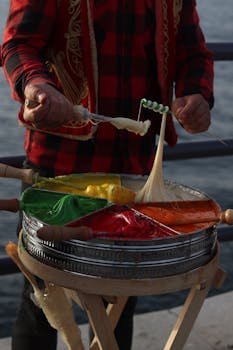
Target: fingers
36,115
192,112
36,104
60,112
46,107
34,93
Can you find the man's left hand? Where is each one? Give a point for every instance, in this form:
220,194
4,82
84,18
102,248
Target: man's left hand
192,112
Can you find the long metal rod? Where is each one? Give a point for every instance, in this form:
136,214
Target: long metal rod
221,51
198,149
183,150
16,161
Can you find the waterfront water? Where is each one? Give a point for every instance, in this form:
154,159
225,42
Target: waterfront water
214,175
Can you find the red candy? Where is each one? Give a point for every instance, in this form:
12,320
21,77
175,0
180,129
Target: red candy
121,222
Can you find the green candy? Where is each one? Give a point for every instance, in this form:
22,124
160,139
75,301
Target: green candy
57,208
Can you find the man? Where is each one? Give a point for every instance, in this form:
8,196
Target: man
105,55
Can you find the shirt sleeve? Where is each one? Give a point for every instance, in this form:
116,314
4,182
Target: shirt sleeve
24,50
194,69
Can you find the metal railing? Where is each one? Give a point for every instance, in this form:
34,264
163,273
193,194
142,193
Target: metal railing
184,150
221,51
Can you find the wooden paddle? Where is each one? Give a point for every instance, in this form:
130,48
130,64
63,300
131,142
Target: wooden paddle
12,204
73,181
185,212
164,212
83,233
63,233
26,175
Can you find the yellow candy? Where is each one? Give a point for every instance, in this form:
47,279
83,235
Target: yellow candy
112,191
95,191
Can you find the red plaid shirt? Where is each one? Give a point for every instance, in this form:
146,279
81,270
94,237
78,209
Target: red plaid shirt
125,32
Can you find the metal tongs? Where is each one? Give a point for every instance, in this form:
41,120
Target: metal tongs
82,113
136,126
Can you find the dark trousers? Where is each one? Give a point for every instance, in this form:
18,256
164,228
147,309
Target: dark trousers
32,330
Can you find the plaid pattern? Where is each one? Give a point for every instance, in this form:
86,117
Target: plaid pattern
125,32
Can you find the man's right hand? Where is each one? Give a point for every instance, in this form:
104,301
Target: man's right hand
46,107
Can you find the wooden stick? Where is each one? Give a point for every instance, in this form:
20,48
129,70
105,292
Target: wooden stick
12,250
26,175
185,212
9,204
225,217
62,233
83,233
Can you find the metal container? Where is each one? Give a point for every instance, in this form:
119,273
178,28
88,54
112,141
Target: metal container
126,259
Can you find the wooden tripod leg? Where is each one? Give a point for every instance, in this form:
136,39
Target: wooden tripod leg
114,312
99,321
187,316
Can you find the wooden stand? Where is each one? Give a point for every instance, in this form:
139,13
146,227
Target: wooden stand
90,292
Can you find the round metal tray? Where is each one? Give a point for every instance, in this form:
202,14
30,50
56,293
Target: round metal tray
126,259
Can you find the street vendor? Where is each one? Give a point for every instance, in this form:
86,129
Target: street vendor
106,56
